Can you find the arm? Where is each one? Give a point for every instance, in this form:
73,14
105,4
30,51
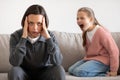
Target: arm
18,46
111,47
17,50
53,50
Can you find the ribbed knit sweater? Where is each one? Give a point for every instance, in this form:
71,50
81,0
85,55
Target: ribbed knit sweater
101,46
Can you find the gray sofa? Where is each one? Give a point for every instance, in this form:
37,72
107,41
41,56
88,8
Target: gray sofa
71,48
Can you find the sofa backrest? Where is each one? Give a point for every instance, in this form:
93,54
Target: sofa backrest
70,45
116,36
4,53
72,49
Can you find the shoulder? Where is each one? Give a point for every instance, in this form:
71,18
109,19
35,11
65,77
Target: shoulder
17,33
103,32
51,33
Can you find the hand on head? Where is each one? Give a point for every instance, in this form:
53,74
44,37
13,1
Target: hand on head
34,26
44,31
25,29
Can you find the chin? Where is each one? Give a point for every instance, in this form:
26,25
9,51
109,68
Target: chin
34,36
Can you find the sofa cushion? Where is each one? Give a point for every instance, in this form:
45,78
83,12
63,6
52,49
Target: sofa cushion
70,77
3,76
4,53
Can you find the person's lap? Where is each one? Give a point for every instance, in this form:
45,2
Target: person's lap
74,66
50,73
88,69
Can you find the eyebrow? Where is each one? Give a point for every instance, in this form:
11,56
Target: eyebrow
33,22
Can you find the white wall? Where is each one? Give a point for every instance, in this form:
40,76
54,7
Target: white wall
62,13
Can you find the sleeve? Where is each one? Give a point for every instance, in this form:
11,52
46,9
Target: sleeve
111,47
53,50
17,50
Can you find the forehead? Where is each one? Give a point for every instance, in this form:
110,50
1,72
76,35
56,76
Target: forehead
34,17
81,13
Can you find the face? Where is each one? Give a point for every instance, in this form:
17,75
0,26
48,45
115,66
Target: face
34,25
83,20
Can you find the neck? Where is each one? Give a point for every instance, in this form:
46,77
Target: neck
91,28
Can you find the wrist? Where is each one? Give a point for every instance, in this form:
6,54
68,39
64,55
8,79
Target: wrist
47,37
24,36
112,73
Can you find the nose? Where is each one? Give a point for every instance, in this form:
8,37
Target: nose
35,27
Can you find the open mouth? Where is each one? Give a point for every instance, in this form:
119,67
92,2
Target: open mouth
81,25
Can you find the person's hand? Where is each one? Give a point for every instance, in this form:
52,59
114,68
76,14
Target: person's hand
44,31
25,29
111,73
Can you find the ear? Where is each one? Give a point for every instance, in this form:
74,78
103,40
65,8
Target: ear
91,19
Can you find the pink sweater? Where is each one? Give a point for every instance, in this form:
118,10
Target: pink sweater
103,48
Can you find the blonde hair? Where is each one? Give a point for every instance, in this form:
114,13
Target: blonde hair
89,13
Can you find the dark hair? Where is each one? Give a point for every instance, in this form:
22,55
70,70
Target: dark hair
35,9
90,13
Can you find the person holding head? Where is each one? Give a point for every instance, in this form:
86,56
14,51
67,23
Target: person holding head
34,51
102,54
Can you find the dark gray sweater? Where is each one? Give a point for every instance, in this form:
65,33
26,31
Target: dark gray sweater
42,53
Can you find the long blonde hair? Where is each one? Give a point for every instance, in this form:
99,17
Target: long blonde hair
90,13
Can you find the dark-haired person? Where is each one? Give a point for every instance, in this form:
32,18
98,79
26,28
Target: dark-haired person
34,52
102,53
